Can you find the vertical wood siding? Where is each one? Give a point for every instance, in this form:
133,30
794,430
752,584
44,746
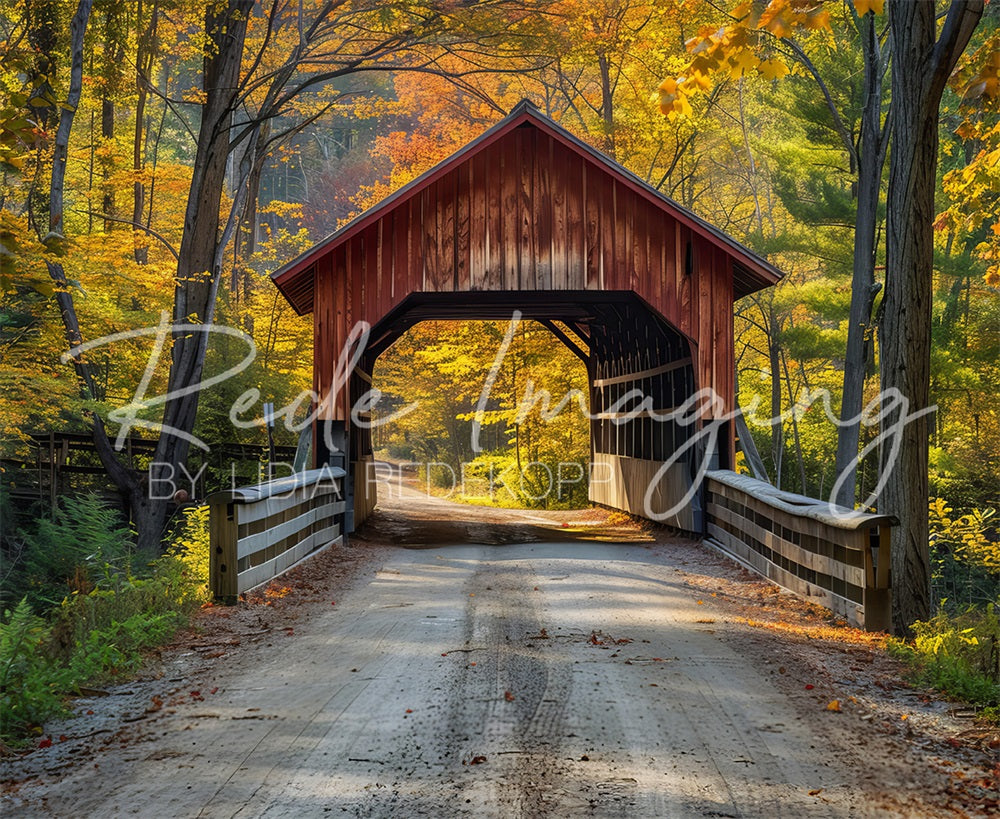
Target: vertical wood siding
526,213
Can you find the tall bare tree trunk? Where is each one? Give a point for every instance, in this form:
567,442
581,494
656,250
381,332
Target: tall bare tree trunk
870,162
143,66
922,63
197,271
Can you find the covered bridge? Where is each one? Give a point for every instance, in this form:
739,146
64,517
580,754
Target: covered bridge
527,217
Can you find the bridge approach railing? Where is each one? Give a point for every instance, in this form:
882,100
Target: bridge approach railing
257,532
832,556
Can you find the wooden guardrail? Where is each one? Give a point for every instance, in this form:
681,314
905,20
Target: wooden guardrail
832,556
258,532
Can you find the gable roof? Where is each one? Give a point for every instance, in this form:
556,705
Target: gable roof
751,272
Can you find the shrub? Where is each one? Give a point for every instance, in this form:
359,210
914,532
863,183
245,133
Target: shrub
32,685
958,654
83,543
965,556
101,630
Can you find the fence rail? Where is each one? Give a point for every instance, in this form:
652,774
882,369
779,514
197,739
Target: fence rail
832,556
258,532
49,465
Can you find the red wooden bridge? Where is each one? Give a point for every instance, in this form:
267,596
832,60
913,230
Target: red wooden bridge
529,218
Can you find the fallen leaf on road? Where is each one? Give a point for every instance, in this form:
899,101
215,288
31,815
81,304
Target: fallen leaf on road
45,743
809,686
816,792
508,696
833,705
476,760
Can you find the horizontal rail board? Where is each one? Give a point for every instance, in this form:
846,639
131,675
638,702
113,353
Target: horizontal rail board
260,531
829,555
258,575
853,612
638,376
272,507
251,544
815,562
278,487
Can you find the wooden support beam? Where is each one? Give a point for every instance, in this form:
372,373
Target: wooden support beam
565,339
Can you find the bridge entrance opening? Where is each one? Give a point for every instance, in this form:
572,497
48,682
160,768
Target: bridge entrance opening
635,446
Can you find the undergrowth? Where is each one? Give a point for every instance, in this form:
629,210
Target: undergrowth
959,655
110,612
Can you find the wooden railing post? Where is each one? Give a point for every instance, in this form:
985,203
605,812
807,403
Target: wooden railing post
878,594
223,526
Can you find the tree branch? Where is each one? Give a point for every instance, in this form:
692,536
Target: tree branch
141,227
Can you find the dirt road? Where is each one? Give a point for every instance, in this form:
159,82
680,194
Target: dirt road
556,675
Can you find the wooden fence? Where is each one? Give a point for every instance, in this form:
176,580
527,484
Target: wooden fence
258,532
50,465
832,556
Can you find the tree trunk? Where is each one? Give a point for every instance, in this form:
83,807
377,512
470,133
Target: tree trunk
871,159
922,64
777,426
197,271
143,66
607,105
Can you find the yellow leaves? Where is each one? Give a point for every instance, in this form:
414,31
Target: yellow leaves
833,705
674,97
737,48
773,69
742,61
194,94
862,7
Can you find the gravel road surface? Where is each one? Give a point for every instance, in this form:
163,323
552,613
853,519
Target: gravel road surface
557,676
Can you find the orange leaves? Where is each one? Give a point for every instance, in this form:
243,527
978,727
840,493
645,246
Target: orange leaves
862,7
743,47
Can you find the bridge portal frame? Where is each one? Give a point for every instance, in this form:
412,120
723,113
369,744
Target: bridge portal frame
527,216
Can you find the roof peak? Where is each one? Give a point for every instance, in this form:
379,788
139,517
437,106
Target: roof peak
525,105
